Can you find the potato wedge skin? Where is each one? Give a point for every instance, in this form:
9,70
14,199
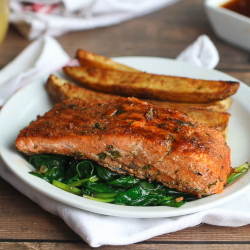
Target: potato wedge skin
221,105
60,89
88,59
151,86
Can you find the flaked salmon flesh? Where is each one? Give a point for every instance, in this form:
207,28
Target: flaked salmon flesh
134,137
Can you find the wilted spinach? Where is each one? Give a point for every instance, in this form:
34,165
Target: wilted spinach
90,180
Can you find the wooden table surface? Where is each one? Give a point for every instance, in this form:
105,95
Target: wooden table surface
165,33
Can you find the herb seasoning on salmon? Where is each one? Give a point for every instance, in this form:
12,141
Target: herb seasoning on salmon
133,137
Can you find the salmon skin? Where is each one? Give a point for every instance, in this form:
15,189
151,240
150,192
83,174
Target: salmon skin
134,137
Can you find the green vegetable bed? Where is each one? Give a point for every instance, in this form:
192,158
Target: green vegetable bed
92,181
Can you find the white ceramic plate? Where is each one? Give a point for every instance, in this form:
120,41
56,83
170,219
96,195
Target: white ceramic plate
33,100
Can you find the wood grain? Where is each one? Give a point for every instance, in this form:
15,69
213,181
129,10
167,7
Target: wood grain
82,246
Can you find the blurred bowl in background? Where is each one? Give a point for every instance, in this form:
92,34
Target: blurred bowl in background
227,24
4,15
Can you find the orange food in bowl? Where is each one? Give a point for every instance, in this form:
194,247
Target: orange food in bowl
240,6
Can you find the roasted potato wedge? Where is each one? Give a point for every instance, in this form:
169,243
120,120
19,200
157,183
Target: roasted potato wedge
60,89
151,86
221,106
91,60
88,59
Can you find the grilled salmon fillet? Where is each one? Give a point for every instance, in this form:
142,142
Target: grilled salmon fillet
136,138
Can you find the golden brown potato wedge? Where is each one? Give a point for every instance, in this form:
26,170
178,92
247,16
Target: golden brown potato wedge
60,89
151,86
88,59
91,60
222,105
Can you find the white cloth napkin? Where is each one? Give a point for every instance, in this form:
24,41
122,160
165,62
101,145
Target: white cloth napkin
56,17
111,230
202,53
35,61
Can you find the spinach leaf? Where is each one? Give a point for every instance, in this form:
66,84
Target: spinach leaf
105,195
124,181
39,175
49,161
55,173
98,187
148,200
85,169
132,194
105,174
172,203
71,171
50,167
79,170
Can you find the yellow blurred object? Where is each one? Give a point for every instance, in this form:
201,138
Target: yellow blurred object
4,23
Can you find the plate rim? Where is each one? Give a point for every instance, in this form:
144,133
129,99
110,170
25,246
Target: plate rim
92,206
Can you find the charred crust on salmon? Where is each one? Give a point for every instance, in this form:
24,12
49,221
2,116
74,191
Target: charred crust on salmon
136,138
